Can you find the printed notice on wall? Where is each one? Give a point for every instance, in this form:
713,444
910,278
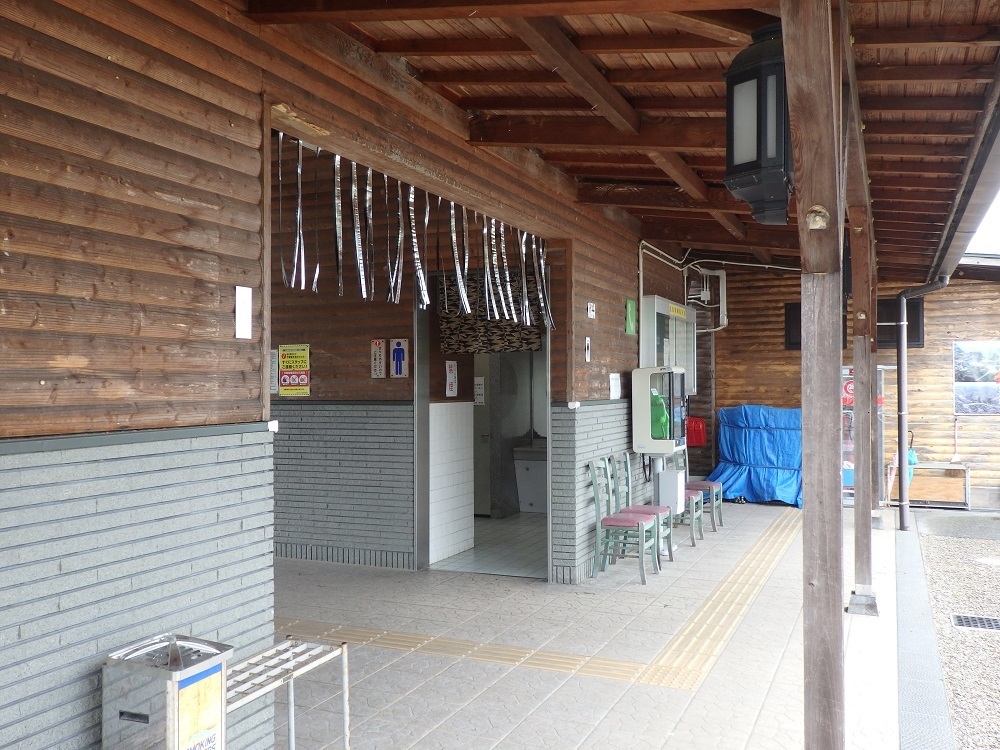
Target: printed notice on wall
451,379
616,385
479,391
273,373
293,370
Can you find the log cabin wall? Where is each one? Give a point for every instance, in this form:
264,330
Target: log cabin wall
753,366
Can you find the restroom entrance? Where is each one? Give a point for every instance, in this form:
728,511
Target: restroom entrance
508,427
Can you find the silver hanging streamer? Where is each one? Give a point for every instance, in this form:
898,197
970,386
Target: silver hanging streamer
444,284
506,275
299,259
496,269
427,248
370,235
338,213
463,297
545,287
389,264
400,243
281,223
418,268
539,281
315,285
468,247
358,249
525,302
491,307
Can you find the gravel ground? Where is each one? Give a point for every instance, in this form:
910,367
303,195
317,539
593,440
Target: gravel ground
963,577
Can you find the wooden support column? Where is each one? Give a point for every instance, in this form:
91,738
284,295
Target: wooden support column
814,94
865,408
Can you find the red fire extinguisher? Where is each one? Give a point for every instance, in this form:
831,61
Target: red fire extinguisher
696,432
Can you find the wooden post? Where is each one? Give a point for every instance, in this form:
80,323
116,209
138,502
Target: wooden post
862,257
813,93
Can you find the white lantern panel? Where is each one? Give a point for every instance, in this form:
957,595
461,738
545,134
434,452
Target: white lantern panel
745,122
772,116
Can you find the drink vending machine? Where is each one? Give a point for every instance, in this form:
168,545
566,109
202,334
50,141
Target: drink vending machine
659,411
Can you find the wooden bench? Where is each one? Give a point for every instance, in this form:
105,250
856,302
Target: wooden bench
279,665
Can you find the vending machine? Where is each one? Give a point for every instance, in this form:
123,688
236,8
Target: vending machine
847,435
659,411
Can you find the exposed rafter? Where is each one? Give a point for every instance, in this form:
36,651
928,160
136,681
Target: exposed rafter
588,45
349,11
682,134
555,49
653,105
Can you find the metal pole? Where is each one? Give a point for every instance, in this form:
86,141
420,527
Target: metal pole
291,714
903,424
345,692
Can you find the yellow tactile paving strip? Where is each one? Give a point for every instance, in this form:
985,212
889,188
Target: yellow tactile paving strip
682,664
690,655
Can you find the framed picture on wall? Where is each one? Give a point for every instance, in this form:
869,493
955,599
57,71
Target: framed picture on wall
977,378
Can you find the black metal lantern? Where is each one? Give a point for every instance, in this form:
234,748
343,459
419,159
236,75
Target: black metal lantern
758,139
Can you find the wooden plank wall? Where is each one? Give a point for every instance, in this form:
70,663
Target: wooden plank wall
130,209
133,202
752,365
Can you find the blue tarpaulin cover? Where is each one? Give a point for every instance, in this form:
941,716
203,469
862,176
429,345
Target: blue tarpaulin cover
760,454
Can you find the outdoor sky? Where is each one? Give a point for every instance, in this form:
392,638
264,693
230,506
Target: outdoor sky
987,238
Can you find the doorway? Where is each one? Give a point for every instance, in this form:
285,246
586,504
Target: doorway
510,428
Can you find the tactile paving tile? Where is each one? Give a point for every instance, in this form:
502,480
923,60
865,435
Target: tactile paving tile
690,655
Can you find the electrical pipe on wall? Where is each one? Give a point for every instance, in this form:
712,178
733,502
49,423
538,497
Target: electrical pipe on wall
723,314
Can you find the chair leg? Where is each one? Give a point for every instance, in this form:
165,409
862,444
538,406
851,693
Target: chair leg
690,515
719,505
642,557
711,508
700,514
670,536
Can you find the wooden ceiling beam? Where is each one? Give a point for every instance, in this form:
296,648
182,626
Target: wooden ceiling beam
731,27
894,227
926,74
652,105
884,166
927,104
879,193
681,233
888,208
661,197
923,129
667,77
617,44
350,11
915,149
919,183
915,37
556,50
678,170
681,134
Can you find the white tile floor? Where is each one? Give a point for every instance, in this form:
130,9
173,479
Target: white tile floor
511,546
749,698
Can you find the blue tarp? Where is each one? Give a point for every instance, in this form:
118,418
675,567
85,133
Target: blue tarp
760,454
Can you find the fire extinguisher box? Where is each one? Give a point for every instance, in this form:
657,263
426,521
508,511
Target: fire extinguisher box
166,693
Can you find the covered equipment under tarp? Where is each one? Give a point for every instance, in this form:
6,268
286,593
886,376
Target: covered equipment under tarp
760,454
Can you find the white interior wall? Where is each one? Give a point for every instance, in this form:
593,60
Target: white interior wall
451,479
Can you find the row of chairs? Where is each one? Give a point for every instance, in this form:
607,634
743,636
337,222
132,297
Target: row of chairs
627,528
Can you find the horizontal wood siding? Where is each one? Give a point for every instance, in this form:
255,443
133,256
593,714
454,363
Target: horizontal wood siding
106,542
752,365
130,209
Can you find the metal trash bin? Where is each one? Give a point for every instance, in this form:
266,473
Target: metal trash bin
166,693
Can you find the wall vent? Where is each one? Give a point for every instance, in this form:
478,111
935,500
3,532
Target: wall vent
973,621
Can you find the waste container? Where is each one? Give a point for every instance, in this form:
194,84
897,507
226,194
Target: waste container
166,693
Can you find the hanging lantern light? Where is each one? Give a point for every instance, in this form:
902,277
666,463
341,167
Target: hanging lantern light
758,139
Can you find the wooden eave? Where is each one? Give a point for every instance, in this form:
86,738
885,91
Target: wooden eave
627,98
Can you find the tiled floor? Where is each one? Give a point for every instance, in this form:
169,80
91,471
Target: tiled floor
511,546
707,655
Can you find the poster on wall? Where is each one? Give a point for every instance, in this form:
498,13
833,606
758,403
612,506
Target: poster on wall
293,370
977,378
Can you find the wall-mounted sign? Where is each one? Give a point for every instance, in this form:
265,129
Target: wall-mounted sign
293,370
451,379
479,391
378,358
399,358
273,373
631,317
